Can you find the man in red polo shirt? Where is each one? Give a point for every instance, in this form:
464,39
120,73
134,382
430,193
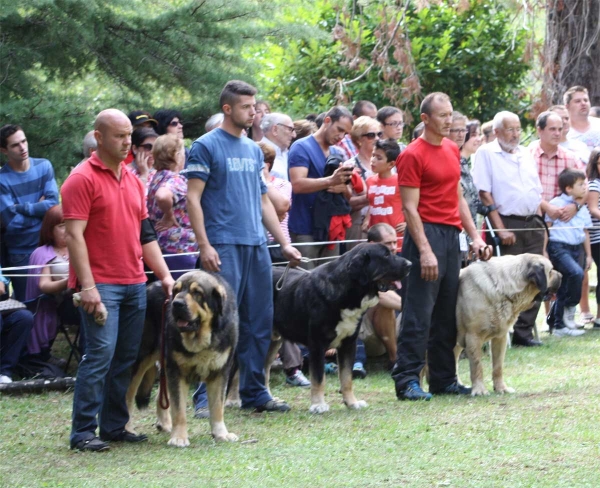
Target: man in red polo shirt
108,235
434,208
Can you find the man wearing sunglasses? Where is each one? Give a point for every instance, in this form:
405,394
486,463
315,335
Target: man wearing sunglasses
278,130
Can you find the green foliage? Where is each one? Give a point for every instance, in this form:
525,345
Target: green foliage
61,61
474,55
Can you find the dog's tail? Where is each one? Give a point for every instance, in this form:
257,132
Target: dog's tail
142,397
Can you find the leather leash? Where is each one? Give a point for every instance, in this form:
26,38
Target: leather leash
279,284
163,398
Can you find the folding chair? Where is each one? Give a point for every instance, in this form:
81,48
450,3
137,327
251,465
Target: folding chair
33,306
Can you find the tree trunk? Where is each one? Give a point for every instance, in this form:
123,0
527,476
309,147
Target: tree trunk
572,48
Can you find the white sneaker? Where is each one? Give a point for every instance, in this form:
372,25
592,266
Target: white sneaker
5,379
569,318
566,332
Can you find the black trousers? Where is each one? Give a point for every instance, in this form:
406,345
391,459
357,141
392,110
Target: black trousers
530,239
429,316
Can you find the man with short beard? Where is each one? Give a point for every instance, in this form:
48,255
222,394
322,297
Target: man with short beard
228,204
506,176
306,162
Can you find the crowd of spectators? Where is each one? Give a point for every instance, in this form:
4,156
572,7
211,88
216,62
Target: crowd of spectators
347,170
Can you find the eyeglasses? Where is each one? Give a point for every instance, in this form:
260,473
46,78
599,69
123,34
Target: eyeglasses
459,131
146,147
513,130
291,129
175,123
372,135
394,124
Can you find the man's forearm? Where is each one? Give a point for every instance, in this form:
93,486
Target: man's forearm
494,216
154,259
310,185
416,229
79,258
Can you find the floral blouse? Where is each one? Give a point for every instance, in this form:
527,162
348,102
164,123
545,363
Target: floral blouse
179,238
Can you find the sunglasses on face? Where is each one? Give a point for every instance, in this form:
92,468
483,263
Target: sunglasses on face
372,135
175,123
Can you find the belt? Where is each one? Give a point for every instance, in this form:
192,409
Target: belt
524,218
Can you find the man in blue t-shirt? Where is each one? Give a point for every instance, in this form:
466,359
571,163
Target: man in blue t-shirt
27,190
306,162
228,205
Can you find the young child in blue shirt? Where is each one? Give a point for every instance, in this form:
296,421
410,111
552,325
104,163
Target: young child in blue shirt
565,250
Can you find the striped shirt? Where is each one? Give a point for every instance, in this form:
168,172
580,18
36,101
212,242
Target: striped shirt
595,230
550,166
21,205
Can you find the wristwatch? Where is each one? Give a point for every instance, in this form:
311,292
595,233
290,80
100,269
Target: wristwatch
578,206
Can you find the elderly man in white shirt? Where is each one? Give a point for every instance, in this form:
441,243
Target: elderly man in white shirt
508,182
278,130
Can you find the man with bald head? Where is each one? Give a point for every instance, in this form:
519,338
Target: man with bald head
108,235
506,176
278,130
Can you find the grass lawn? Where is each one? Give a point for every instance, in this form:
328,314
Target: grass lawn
546,434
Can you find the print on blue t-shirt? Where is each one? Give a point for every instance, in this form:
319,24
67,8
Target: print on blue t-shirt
231,202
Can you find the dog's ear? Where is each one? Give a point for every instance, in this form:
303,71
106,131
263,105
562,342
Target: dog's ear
536,273
219,295
361,262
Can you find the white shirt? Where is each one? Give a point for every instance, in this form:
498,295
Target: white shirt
590,137
280,166
512,179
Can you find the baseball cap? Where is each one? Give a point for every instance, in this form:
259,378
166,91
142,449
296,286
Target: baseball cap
138,117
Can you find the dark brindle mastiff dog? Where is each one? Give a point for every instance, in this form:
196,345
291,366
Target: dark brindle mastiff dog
322,309
202,333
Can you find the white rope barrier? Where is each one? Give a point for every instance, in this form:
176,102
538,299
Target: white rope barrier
12,272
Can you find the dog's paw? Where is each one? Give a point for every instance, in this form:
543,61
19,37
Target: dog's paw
504,389
163,427
319,408
179,441
357,405
228,437
479,390
233,403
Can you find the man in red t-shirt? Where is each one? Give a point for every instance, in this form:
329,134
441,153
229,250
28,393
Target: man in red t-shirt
434,209
108,235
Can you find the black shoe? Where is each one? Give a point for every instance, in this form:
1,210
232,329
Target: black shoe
126,436
273,406
525,342
94,445
453,389
413,391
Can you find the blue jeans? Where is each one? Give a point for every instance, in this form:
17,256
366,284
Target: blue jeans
14,331
105,369
565,259
19,283
248,270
